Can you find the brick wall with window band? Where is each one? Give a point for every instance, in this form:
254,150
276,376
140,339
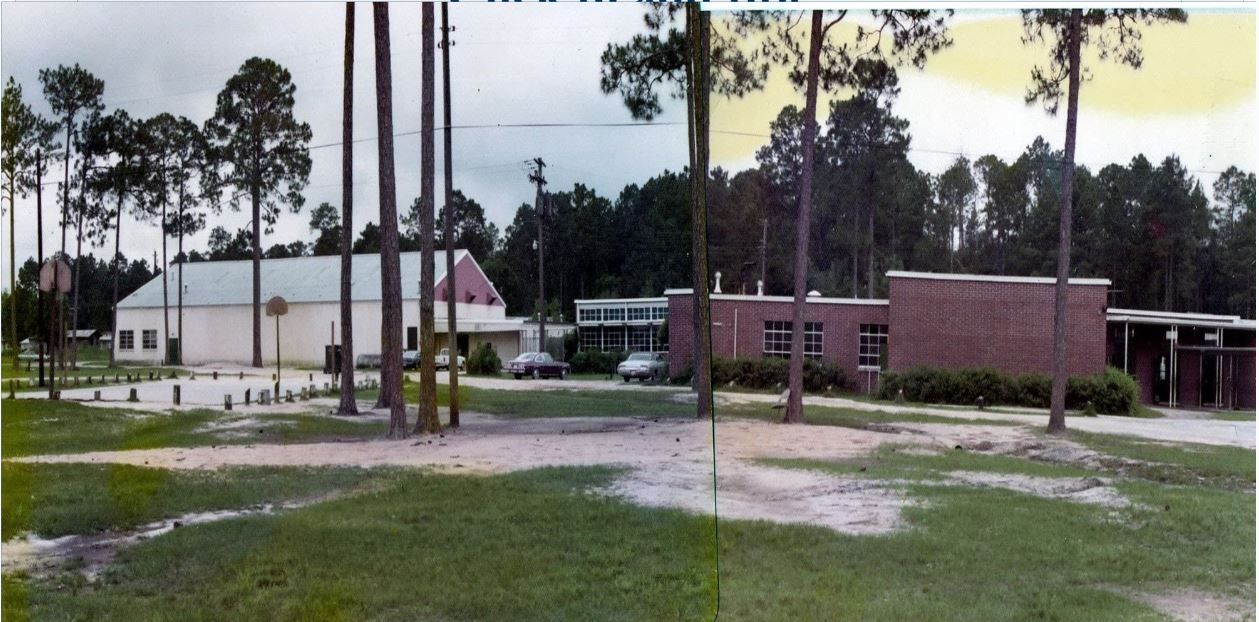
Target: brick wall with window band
126,340
777,340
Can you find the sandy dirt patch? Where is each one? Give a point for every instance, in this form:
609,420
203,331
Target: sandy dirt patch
1089,490
1197,606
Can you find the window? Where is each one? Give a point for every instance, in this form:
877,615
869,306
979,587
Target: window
126,340
873,340
591,338
614,315
640,338
588,315
778,339
150,340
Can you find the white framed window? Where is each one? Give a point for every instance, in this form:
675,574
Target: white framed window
873,339
150,339
591,338
777,339
126,340
641,338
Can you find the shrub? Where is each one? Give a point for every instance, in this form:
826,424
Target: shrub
770,373
596,362
484,361
1110,392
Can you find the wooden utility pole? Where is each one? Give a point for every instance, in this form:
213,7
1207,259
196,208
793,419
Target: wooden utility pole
39,226
452,330
764,239
539,207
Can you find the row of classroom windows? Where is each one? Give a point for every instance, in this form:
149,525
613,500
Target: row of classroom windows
775,341
622,314
127,339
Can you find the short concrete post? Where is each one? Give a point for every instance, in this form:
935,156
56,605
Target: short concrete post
56,395
12,388
242,376
150,375
216,375
288,396
128,378
246,397
192,376
133,397
264,397
96,396
175,389
227,402
89,380
312,377
76,381
304,395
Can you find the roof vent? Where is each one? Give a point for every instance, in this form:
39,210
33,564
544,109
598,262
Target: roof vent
760,288
717,288
815,294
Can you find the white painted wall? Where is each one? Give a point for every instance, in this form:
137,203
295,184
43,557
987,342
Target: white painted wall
223,334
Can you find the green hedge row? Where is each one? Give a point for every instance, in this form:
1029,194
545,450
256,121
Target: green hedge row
1110,392
596,362
771,373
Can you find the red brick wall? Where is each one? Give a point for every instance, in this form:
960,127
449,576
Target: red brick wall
1005,325
841,325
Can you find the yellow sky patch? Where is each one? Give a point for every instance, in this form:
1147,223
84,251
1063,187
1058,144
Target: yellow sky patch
1190,69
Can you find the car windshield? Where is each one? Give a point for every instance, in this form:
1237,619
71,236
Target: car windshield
639,356
544,358
527,356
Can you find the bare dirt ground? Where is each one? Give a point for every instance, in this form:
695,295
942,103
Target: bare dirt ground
1197,606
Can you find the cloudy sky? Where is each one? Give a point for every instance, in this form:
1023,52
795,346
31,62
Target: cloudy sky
1194,97
514,64
528,63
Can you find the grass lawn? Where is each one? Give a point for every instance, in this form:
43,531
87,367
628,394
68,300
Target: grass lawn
1215,466
527,546
1233,415
845,417
988,554
575,402
58,499
31,427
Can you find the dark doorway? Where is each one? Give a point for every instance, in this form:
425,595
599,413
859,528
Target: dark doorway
413,338
1161,384
463,344
1210,380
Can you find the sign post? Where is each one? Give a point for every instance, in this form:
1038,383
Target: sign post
277,306
54,277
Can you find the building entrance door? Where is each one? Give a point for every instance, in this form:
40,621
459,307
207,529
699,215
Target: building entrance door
1162,388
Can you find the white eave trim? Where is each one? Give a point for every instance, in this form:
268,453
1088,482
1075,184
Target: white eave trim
991,278
877,302
1171,320
596,301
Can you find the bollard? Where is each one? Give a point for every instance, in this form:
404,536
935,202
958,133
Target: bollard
302,396
227,402
192,376
133,397
56,395
150,375
272,377
264,397
172,375
312,377
76,381
176,391
246,397
89,381
288,397
12,388
216,375
242,376
96,396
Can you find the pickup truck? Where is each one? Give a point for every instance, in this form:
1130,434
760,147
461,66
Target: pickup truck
443,360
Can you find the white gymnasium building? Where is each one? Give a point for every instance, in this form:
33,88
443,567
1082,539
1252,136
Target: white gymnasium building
218,310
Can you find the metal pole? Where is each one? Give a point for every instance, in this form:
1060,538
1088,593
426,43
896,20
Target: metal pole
277,355
1126,330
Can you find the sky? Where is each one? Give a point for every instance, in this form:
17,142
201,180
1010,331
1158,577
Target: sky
1193,97
511,64
531,63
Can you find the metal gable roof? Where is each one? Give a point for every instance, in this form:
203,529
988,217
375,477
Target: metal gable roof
297,279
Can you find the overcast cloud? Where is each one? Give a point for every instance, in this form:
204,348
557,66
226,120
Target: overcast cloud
511,64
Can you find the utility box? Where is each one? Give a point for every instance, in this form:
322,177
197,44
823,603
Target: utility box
331,359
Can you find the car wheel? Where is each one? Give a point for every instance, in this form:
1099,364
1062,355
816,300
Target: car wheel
517,376
563,374
536,374
626,378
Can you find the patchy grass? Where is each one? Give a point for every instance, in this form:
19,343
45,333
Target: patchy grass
1215,466
846,417
575,402
987,554
32,427
526,546
891,461
1233,415
58,499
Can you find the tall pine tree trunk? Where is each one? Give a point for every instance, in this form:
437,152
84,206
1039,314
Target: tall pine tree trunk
113,322
347,405
39,242
256,200
452,327
390,271
13,340
427,422
698,103
78,258
165,290
1058,393
808,139
870,236
179,288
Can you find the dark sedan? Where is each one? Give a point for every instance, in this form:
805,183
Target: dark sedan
537,365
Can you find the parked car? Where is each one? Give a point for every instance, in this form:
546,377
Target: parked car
644,366
410,359
443,360
367,361
537,365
